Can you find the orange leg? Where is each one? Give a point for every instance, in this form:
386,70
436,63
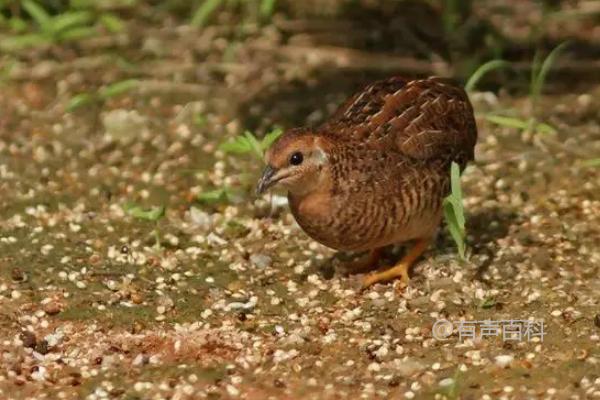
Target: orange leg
399,270
368,261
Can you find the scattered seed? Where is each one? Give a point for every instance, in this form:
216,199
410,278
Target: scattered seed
28,338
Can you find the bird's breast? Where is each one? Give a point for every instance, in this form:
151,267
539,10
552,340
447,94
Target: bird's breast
340,222
316,215
362,215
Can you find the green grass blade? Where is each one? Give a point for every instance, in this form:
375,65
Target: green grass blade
76,33
455,181
270,138
535,68
204,12
16,43
17,25
239,145
200,120
80,100
255,145
593,162
454,211
453,227
214,196
482,71
544,128
488,302
112,23
539,79
458,210
267,8
118,88
148,214
509,122
37,13
83,4
69,20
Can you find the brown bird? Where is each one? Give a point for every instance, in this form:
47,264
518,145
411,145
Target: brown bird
377,171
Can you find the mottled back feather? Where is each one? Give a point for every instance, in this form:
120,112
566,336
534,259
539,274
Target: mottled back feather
428,119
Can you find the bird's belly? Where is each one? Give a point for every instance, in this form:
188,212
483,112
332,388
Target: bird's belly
362,225
419,226
391,229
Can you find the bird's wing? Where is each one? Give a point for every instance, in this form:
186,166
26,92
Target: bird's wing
423,119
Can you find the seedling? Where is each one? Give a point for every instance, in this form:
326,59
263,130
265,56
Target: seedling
215,196
482,71
200,120
244,144
592,162
488,302
153,214
454,212
102,95
267,8
68,26
521,124
248,143
205,11
539,72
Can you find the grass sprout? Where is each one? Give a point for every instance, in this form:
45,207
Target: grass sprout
482,71
488,302
521,124
454,211
204,12
593,162
102,95
200,120
217,196
248,143
252,8
152,214
539,72
267,8
70,25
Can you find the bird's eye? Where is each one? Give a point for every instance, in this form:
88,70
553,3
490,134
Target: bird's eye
296,158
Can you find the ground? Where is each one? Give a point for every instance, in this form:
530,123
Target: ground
237,301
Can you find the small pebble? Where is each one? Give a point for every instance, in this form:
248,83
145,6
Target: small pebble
504,360
446,382
28,338
232,391
52,308
261,261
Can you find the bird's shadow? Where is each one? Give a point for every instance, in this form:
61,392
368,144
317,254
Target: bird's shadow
485,228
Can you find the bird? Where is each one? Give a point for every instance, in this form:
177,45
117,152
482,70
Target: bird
377,171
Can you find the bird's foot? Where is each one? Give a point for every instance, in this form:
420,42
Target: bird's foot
399,271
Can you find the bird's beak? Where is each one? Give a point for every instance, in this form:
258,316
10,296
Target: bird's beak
266,180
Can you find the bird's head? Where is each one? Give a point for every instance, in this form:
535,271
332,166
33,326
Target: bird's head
296,162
